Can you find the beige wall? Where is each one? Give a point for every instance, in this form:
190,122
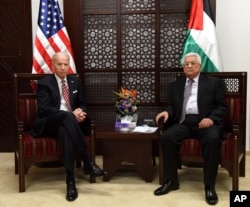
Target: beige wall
233,32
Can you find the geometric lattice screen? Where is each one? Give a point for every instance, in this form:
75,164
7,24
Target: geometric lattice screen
138,40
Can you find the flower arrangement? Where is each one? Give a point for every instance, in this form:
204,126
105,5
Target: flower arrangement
126,103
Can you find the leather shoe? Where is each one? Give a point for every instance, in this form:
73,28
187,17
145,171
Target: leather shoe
167,187
211,196
72,193
93,170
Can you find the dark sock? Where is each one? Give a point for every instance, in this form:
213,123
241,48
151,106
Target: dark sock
86,159
70,176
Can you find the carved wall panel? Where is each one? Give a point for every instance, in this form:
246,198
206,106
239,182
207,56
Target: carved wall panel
172,36
15,56
138,41
100,41
136,44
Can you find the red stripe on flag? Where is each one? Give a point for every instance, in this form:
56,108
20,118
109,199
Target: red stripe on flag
37,67
43,52
65,40
53,44
196,15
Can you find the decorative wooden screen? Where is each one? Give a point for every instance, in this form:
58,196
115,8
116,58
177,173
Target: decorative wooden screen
133,44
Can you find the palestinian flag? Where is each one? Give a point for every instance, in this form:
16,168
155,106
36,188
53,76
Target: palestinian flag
201,37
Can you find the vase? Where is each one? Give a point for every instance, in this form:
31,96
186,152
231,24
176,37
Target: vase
126,119
127,122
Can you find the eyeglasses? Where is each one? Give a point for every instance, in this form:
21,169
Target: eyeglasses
192,64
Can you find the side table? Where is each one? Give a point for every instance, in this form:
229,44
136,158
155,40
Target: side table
132,147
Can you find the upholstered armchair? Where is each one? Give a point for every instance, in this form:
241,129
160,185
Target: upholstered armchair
233,152
30,151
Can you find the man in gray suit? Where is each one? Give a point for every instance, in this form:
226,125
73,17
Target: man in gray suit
203,108
62,114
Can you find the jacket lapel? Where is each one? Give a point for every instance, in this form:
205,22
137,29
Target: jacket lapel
54,84
201,85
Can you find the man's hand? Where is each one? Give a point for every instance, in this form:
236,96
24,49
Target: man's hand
79,114
205,123
163,115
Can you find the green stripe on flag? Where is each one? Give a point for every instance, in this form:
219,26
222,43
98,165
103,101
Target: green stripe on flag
191,45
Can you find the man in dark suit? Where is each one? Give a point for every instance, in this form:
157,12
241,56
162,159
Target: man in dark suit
62,114
203,118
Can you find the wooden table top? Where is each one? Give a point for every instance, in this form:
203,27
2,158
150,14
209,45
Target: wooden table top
111,132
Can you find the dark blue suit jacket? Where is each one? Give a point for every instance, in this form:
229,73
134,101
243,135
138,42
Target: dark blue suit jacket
48,99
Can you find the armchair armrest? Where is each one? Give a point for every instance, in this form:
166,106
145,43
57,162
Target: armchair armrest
19,137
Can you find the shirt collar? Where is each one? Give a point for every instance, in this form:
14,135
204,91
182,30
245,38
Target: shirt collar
59,80
195,80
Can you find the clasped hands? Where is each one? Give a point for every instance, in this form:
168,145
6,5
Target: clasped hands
204,123
79,114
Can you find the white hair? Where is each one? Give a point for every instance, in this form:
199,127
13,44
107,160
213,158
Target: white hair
191,54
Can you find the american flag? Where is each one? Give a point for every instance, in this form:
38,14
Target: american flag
51,37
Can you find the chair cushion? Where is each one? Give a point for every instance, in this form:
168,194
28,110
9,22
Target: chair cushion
43,146
191,147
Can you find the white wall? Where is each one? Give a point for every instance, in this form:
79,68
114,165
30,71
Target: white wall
233,32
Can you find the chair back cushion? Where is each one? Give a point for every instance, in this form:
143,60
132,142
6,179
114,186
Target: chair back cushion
27,111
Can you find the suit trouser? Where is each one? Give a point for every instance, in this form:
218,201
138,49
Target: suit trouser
65,127
210,141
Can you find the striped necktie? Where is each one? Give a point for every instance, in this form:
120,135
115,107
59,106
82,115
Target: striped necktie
65,93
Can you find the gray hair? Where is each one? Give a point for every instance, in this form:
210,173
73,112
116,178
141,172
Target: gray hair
58,54
191,54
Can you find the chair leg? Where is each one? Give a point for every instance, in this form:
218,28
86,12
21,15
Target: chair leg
92,179
21,176
242,168
235,174
155,150
161,170
16,163
21,168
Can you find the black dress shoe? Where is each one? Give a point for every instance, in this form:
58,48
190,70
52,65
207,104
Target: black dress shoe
72,193
93,170
211,196
167,187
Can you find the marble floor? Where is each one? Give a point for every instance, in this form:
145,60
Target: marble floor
45,187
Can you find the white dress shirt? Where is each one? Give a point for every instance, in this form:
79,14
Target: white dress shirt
192,106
